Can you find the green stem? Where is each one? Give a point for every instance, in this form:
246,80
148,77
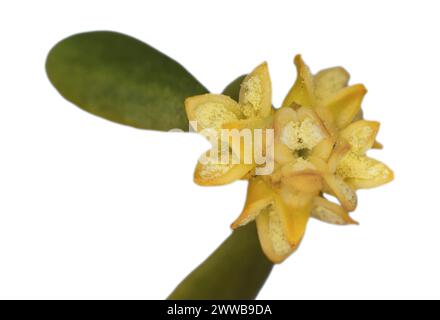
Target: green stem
236,270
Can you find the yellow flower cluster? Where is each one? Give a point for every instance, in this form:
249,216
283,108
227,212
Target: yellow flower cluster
319,144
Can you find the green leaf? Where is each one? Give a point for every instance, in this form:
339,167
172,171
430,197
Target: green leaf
233,89
238,268
122,79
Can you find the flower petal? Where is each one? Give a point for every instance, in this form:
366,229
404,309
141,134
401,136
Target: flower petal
362,172
271,233
256,93
251,123
212,172
211,111
341,149
301,176
281,118
283,154
345,104
295,219
330,212
324,149
310,182
299,130
361,135
330,81
259,196
377,145
303,90
360,116
345,194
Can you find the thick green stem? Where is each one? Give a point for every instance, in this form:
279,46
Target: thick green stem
236,270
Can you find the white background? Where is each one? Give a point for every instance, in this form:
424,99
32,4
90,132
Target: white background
92,209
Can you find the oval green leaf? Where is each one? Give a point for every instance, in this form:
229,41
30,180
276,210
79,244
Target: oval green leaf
122,79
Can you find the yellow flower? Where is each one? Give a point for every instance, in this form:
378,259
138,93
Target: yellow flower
215,111
319,147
